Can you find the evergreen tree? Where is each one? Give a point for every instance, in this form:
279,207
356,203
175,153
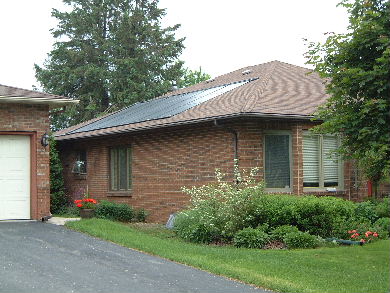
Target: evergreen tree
109,54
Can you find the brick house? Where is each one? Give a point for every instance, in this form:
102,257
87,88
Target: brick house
24,160
260,115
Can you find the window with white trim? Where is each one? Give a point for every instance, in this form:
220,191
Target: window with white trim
322,167
277,161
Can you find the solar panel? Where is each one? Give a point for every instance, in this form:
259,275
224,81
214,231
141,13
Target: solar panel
159,108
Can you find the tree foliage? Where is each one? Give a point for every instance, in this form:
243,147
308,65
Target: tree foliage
58,200
356,66
109,54
191,77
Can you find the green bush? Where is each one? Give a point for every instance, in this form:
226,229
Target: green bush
191,226
317,215
251,238
366,210
141,215
301,240
59,201
114,211
220,209
361,225
383,208
279,232
383,224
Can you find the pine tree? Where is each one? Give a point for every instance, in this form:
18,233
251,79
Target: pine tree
109,54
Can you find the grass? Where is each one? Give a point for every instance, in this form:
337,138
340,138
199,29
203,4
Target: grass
342,269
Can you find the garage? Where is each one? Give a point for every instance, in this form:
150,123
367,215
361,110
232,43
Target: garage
24,152
15,166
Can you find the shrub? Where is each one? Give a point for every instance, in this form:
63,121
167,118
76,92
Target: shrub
360,225
366,210
189,225
281,231
114,211
301,240
251,238
141,215
317,215
383,208
59,201
383,224
220,209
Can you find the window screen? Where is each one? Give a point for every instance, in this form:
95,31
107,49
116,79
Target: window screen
277,161
120,168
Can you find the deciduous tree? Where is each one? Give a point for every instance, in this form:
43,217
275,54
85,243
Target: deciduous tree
356,66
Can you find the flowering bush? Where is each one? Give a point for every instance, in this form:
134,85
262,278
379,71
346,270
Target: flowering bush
86,203
368,236
220,209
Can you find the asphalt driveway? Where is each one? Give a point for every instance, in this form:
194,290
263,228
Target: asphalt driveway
41,257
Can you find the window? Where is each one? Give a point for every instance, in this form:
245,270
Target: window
120,168
322,167
80,165
277,161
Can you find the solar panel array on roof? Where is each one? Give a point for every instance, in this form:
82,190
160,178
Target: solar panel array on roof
159,108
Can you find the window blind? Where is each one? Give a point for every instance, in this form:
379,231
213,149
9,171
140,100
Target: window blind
330,161
311,161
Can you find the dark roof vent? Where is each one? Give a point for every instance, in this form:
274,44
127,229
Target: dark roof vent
210,80
245,72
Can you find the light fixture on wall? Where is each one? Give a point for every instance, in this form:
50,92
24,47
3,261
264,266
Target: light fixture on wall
45,140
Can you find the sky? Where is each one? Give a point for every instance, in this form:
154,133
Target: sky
221,35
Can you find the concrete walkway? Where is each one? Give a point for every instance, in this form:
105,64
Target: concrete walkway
38,257
60,220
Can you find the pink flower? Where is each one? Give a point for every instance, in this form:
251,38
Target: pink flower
353,231
362,240
375,234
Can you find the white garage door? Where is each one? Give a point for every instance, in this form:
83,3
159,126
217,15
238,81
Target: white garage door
14,177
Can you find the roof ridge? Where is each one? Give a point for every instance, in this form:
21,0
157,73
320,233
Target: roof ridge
249,103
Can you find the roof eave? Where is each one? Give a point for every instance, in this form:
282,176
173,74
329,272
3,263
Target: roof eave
188,122
53,103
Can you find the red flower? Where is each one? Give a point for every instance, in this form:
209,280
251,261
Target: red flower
77,201
79,205
353,231
375,234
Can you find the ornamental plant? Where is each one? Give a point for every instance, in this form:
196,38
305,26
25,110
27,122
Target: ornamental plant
220,209
86,203
368,236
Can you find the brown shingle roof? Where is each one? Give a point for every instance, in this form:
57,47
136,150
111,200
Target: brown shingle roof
10,93
280,89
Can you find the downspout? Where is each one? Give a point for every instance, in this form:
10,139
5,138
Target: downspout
235,138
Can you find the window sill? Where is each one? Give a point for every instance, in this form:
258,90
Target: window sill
322,190
123,193
278,190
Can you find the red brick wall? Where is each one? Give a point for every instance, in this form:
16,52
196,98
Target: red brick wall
34,120
167,159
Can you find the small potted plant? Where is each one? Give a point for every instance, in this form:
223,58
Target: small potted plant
86,206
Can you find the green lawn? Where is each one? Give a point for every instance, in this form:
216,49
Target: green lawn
342,269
